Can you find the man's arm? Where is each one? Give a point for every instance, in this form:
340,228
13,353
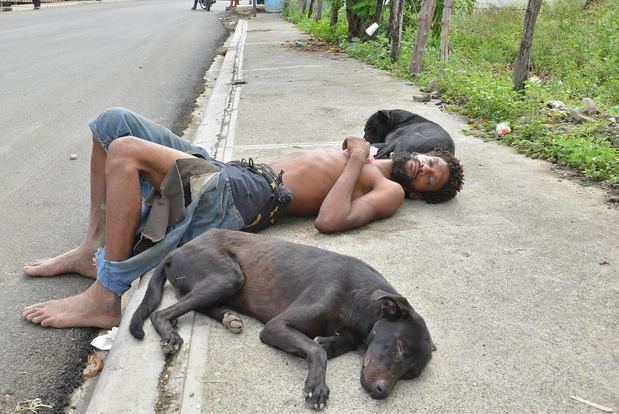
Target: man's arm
339,212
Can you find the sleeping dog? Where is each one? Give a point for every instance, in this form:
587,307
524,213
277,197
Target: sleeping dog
314,303
399,130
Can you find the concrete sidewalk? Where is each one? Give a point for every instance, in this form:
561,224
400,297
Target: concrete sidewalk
516,278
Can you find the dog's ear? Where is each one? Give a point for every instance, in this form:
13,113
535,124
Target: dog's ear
392,306
384,115
399,116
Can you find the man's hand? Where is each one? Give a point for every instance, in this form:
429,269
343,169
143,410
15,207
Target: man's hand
381,197
356,145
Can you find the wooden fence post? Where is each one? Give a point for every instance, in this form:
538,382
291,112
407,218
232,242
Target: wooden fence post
335,9
318,10
395,27
378,14
447,6
521,66
424,21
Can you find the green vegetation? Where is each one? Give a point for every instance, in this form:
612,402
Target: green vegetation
575,55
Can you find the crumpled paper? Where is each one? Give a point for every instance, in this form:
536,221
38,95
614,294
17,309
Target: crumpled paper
104,342
503,128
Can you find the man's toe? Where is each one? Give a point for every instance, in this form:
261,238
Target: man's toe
29,312
35,315
37,262
33,308
38,318
46,321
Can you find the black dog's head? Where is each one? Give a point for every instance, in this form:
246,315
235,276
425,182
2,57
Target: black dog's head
399,346
382,122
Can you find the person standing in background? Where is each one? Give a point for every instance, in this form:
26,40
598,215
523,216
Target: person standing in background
37,4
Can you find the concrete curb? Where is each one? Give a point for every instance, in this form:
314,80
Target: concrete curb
217,126
193,386
112,394
141,360
215,133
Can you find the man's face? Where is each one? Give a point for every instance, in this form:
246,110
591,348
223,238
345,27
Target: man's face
420,173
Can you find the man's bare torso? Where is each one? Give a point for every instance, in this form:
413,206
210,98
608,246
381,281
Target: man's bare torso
311,174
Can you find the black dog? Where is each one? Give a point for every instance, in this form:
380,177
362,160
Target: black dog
299,292
399,130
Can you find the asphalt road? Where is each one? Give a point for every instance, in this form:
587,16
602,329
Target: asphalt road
60,67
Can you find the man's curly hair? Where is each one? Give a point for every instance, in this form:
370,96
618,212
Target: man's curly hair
453,185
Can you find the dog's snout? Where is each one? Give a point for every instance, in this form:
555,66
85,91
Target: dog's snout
381,390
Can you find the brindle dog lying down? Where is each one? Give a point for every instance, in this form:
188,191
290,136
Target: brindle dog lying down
314,303
398,130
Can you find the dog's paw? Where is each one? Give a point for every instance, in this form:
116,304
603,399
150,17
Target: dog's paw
232,322
171,343
323,340
316,395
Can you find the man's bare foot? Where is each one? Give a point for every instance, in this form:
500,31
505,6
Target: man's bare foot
96,307
78,260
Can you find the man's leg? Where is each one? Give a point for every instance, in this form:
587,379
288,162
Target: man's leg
128,159
111,124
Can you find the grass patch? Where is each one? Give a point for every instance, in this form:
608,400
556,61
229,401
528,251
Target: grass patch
574,56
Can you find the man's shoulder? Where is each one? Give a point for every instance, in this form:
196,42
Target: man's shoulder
376,182
372,173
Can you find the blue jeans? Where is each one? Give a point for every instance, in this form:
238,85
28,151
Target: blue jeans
212,205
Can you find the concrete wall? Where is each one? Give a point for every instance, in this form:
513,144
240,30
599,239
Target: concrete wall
273,6
485,4
519,4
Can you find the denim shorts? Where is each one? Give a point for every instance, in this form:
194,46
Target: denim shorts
212,204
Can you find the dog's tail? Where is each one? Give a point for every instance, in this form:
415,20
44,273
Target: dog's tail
152,299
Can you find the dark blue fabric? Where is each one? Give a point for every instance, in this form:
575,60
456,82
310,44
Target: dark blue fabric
249,189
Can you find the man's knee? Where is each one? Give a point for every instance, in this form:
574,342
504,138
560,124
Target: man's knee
123,153
112,123
117,120
114,112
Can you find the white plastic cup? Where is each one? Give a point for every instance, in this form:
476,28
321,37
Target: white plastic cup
372,29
